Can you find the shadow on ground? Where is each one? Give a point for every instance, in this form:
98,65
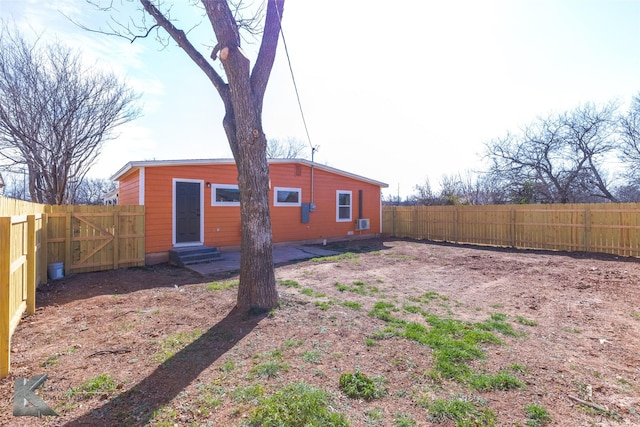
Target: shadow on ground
113,282
135,406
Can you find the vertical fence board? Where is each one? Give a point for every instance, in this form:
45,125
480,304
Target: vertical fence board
5,295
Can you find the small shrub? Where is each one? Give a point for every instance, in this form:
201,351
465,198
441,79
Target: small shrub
359,386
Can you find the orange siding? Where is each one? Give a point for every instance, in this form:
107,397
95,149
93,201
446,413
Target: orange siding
129,189
222,223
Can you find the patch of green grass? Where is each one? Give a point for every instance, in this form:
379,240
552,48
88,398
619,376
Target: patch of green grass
516,367
370,342
635,315
347,256
503,380
101,384
289,283
51,360
311,293
209,397
359,386
270,369
297,405
323,305
373,417
462,412
537,416
414,309
572,330
382,311
525,321
221,286
291,343
403,420
250,393
352,304
228,366
341,287
173,343
312,356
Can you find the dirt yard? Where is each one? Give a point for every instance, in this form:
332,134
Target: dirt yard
161,346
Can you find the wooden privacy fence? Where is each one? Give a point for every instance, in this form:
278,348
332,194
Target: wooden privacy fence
612,228
22,267
83,238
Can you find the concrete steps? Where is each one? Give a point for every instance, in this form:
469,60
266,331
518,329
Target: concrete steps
193,255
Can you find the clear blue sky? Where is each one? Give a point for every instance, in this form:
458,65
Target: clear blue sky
398,93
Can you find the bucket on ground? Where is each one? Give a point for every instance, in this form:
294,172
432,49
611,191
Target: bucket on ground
55,270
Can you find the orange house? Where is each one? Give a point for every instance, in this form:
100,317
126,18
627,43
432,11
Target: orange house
196,202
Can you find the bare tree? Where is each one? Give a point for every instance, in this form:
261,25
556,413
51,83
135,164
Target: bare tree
242,90
630,138
558,159
55,114
289,148
92,190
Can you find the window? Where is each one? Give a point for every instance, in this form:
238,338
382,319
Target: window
287,196
225,195
343,206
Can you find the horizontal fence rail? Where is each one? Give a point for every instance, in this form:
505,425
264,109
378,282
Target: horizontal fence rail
612,228
82,238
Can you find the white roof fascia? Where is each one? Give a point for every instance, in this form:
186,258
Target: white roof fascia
152,163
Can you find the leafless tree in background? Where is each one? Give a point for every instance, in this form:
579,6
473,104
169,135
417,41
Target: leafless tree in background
558,159
289,148
55,114
92,190
630,137
242,90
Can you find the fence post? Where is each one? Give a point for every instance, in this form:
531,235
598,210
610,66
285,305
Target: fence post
67,242
31,264
116,243
455,224
587,229
512,226
5,293
44,248
394,221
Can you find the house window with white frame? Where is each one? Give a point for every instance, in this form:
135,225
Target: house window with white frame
343,206
287,196
225,195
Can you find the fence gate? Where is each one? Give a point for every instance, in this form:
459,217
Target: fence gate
94,238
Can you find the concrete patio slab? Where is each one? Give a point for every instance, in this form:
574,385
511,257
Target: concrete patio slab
281,255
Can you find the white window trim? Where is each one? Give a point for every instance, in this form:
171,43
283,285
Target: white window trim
275,196
338,193
214,187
